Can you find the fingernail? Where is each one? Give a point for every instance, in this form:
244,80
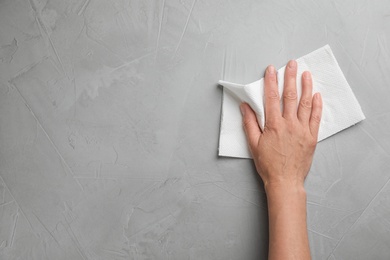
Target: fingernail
307,75
271,70
242,108
292,64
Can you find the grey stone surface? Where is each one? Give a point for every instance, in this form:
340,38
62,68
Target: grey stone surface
109,120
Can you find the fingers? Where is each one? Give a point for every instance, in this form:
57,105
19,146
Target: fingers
305,104
290,90
271,93
315,117
251,127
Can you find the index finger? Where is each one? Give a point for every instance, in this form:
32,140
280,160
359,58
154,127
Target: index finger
271,94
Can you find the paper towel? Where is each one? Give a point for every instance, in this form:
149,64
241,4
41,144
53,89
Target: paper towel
340,107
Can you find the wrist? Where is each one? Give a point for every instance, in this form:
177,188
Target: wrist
285,189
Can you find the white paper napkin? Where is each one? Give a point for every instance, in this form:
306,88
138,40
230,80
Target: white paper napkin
340,107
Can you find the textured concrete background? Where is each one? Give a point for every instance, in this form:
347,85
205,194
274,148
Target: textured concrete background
109,120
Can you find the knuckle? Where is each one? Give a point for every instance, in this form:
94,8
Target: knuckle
246,123
273,95
272,123
305,103
292,126
313,143
271,78
290,95
316,118
290,73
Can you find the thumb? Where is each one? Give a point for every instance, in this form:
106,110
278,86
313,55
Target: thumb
251,127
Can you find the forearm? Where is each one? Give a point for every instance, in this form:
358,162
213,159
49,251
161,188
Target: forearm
287,222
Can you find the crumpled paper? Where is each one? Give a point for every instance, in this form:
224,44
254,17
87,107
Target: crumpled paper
340,106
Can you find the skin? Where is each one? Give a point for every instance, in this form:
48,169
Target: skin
283,154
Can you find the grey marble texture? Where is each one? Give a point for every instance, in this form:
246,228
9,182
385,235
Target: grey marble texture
109,125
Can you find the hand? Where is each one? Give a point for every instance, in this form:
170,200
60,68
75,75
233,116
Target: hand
284,150
283,153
